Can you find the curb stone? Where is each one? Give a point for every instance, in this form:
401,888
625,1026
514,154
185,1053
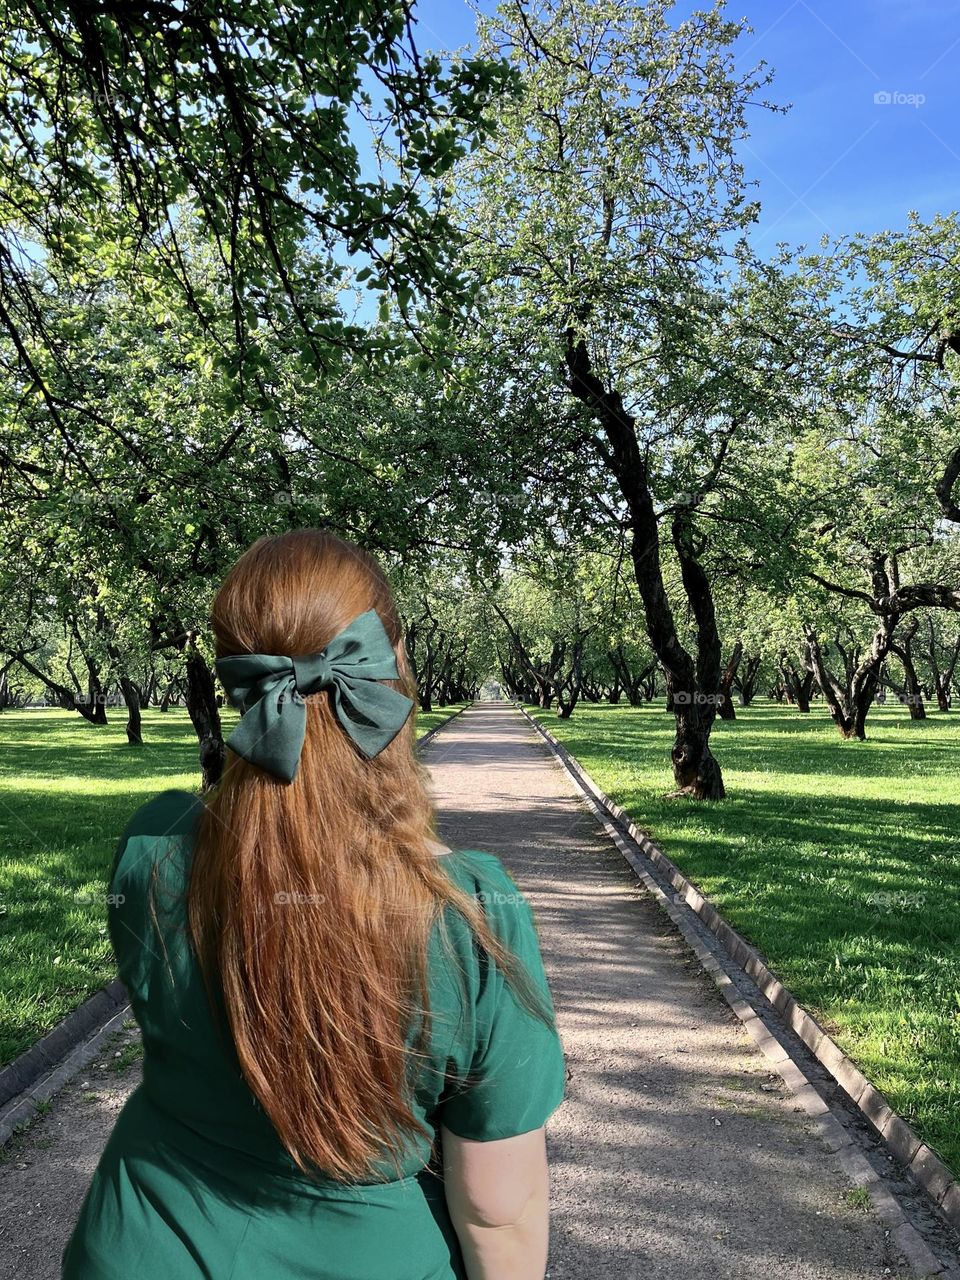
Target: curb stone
25,1107
40,1071
20,1075
685,901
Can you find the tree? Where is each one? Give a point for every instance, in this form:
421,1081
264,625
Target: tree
133,510
860,495
595,218
941,652
446,632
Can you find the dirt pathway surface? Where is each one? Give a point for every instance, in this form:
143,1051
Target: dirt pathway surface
675,1155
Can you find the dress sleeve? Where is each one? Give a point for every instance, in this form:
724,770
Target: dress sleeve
516,1078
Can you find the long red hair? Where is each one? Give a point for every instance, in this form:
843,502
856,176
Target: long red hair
311,903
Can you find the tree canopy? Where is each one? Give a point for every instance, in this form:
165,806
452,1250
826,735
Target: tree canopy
605,449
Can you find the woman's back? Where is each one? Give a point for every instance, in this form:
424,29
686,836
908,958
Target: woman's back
321,997
195,1179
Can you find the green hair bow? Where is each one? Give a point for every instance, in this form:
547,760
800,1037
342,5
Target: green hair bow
269,690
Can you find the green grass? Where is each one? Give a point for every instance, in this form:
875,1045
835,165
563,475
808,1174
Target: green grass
427,720
839,860
67,789
858,1198
126,1057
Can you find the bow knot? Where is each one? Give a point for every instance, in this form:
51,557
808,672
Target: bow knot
312,673
270,689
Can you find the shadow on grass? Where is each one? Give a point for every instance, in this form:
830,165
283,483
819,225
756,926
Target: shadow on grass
839,860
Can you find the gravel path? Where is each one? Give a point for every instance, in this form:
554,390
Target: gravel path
676,1153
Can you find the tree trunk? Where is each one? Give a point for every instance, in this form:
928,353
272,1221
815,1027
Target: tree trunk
912,694
635,686
745,682
694,688
96,696
570,687
797,688
202,707
89,706
941,678
802,688
148,690
727,711
131,697
539,676
130,692
863,687
426,679
167,695
834,696
849,706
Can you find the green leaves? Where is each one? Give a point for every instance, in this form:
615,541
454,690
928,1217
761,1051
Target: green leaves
266,133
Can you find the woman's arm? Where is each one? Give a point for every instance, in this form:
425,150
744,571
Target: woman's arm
498,1195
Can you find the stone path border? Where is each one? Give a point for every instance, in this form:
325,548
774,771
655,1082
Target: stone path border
681,900
39,1072
49,1052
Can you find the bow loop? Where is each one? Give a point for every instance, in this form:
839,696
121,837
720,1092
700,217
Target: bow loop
270,690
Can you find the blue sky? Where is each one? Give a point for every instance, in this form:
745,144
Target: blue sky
839,161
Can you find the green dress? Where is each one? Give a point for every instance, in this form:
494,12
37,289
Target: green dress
194,1181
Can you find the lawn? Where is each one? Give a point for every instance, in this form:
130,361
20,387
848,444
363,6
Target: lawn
839,860
67,789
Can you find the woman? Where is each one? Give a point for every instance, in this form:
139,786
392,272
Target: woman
350,1050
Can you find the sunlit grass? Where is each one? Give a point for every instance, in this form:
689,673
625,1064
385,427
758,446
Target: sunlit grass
839,860
67,789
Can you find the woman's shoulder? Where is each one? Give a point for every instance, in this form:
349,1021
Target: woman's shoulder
476,866
170,813
483,874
